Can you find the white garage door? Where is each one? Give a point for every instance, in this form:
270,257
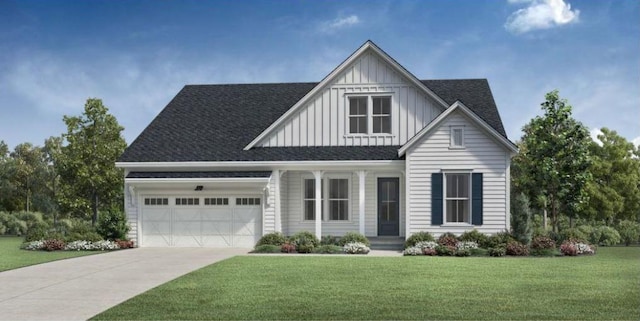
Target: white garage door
201,221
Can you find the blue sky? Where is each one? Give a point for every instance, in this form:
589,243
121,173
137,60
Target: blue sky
136,55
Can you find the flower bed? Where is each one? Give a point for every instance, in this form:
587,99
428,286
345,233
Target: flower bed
59,245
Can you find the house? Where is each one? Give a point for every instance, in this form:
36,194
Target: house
370,148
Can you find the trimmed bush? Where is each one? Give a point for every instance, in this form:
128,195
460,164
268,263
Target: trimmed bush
463,252
354,237
445,250
474,236
328,249
448,239
429,251
629,232
356,248
568,248
418,237
305,248
266,248
479,252
37,232
305,245
304,237
543,246
12,225
608,236
53,245
516,248
329,240
112,225
412,251
497,240
572,234
275,238
466,245
426,245
497,251
128,244
82,231
288,248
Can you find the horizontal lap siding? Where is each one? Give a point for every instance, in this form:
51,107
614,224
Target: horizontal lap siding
482,154
323,121
269,213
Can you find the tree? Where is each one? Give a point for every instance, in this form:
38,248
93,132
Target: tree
6,168
86,165
614,192
28,168
554,160
521,218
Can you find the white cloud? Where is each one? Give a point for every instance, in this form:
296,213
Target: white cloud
339,23
540,14
636,141
594,135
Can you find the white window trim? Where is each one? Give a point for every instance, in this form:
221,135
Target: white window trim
304,199
451,142
370,96
445,199
325,200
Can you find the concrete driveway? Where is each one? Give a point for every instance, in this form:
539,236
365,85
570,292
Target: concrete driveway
79,288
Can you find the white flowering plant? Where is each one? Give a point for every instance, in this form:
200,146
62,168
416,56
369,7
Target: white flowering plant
583,248
33,246
469,245
355,248
412,251
426,245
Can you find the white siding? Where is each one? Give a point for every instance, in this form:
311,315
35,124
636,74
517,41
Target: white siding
323,121
131,211
268,210
482,155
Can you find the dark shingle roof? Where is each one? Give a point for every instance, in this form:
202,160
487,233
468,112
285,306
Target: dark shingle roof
216,174
215,123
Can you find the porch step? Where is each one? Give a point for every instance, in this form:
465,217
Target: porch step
387,243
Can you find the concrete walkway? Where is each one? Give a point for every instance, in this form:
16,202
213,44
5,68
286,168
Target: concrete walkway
79,288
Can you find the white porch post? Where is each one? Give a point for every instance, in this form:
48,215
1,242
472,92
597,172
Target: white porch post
361,185
318,177
276,181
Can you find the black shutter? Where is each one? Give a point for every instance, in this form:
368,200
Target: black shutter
436,199
476,198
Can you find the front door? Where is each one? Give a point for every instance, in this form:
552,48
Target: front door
389,206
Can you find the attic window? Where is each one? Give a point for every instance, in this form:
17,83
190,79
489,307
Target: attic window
457,137
358,115
370,109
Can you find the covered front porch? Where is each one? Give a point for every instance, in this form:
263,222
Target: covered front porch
368,201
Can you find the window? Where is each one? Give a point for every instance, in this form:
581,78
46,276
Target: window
310,199
339,199
381,115
216,201
187,201
374,109
457,137
156,201
247,201
358,115
457,190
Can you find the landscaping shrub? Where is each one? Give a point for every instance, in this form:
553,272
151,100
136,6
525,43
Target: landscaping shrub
275,238
266,248
445,250
12,225
608,236
80,230
572,234
497,251
466,245
30,218
307,236
500,239
53,245
463,252
429,251
412,251
426,245
288,248
354,237
568,248
128,244
521,218
305,244
474,236
112,225
329,240
356,248
516,248
543,246
418,237
92,246
479,252
328,249
37,232
448,239
33,246
629,231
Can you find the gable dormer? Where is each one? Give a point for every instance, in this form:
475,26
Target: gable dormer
369,100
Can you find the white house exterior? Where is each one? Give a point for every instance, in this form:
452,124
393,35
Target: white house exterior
371,147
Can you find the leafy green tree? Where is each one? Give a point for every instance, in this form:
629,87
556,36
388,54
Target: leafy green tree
6,187
554,160
521,218
614,192
86,165
29,165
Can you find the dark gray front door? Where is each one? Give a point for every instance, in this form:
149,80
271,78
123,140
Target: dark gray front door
389,206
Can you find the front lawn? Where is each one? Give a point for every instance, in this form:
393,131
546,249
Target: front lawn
604,286
12,257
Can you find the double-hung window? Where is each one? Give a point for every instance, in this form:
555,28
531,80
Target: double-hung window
457,201
310,199
337,203
366,109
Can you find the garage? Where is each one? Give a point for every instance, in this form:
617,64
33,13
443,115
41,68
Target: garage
200,221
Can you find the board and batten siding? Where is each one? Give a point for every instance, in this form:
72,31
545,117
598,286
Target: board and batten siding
323,121
481,155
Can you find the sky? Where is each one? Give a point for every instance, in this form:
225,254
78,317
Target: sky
137,55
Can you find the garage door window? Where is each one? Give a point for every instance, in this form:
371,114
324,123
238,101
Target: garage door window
247,201
216,201
187,201
156,201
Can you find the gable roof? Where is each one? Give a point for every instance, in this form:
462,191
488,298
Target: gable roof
473,116
368,45
216,122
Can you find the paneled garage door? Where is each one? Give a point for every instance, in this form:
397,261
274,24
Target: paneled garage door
201,221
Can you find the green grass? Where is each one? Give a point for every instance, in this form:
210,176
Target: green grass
601,287
12,257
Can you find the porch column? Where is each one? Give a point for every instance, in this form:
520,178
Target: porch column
276,181
318,176
361,185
